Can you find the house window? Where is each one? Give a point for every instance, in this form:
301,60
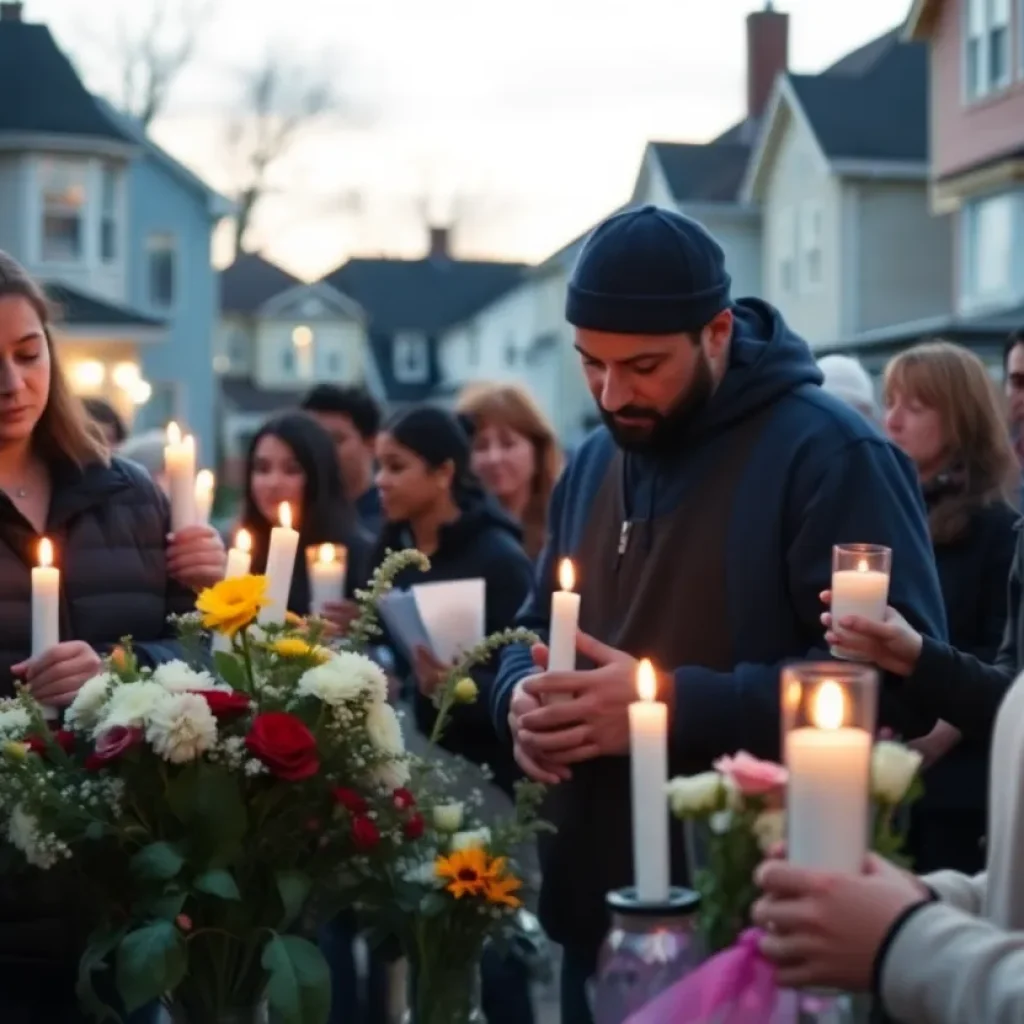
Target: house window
288,360
334,364
108,212
511,352
811,244
64,191
785,248
409,356
986,47
990,245
161,269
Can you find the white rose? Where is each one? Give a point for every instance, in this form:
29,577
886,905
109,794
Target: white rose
132,704
84,711
475,837
177,676
692,795
448,817
770,829
893,768
384,729
14,722
345,676
392,774
182,728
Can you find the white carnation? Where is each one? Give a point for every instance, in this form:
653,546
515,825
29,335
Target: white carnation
392,775
23,833
132,705
14,722
448,817
345,676
475,837
893,767
692,795
384,729
177,676
182,728
84,711
770,829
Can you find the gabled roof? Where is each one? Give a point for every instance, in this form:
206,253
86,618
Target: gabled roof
44,94
921,19
702,172
250,281
426,295
77,308
242,395
332,303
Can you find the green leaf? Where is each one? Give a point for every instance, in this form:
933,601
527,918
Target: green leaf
157,862
218,882
168,905
101,944
299,984
230,668
150,962
293,888
207,799
434,903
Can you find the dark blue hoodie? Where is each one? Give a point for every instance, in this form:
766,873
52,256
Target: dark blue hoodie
727,548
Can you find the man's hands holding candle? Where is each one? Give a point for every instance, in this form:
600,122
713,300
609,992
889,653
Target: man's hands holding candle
893,645
58,674
590,720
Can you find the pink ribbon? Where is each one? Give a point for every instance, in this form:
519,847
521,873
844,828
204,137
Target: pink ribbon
735,987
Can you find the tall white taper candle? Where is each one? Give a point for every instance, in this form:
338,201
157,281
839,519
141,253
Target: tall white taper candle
284,544
45,607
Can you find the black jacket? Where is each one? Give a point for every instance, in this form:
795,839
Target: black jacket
483,542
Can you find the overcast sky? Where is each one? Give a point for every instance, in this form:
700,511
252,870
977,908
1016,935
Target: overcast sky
533,113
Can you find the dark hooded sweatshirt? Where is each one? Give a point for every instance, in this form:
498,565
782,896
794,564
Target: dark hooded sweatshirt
711,561
483,542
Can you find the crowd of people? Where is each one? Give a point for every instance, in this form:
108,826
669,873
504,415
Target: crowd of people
701,517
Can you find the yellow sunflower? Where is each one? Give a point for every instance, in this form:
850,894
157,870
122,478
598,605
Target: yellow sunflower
232,604
466,871
296,647
500,890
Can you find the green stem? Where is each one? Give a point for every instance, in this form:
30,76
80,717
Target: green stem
247,661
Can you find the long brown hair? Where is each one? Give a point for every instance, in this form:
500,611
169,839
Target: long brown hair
954,382
512,407
64,430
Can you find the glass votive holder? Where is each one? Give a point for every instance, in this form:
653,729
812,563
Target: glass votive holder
828,722
326,566
860,586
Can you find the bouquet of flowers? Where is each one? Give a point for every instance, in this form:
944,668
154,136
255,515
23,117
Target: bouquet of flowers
201,810
732,816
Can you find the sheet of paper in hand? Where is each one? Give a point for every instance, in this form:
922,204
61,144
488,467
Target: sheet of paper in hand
452,612
400,615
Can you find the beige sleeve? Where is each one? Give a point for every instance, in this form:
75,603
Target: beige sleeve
948,967
964,892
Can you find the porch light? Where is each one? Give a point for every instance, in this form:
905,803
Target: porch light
88,375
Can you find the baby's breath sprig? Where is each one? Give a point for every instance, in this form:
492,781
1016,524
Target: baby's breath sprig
448,693
366,625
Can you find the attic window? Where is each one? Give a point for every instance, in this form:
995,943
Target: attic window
986,41
409,359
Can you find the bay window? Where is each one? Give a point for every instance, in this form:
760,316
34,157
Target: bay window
993,236
64,190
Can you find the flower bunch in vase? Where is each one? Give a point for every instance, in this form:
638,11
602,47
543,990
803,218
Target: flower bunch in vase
200,808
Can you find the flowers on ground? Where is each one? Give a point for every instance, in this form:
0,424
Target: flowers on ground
232,604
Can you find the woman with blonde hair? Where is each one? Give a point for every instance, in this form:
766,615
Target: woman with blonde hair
942,409
515,453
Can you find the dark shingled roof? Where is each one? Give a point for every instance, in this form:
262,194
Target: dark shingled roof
708,172
44,93
78,309
250,281
244,396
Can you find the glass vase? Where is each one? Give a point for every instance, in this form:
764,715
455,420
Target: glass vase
648,948
446,991
178,1012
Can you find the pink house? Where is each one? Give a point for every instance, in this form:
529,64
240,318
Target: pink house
977,145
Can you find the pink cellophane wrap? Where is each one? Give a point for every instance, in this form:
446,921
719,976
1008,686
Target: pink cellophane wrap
735,987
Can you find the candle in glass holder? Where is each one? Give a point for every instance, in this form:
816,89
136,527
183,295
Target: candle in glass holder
239,556
45,607
284,544
828,711
326,564
180,468
860,586
648,748
205,482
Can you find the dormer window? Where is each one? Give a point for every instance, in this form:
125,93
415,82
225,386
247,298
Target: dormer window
410,359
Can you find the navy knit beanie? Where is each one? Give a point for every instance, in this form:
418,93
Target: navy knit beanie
648,271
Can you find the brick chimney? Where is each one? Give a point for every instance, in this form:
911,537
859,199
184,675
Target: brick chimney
440,244
767,55
10,11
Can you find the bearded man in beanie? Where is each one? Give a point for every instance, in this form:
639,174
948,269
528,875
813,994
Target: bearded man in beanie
701,519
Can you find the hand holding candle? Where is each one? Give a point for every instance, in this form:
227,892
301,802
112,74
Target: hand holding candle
648,741
284,544
239,556
180,467
205,485
45,607
327,564
565,617
860,585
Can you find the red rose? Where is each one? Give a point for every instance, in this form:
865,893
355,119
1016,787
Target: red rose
350,800
403,799
284,745
414,827
365,835
224,703
62,737
111,744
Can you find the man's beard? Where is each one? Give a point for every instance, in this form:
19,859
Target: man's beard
663,432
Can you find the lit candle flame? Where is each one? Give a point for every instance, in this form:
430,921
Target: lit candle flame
204,482
646,681
243,541
45,552
285,515
862,565
326,554
828,710
173,433
566,574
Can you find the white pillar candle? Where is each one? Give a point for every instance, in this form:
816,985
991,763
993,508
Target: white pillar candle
827,801
565,618
205,482
45,607
180,467
327,576
284,544
648,745
239,556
